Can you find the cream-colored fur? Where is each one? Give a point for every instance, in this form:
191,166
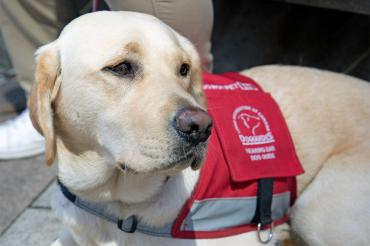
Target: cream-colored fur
95,122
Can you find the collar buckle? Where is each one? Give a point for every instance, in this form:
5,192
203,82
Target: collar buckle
128,225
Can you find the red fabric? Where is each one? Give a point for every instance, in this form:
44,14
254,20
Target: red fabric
249,141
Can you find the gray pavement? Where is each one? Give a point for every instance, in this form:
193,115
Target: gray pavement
36,226
25,202
21,182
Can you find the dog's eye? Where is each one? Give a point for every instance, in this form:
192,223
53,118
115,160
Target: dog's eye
184,69
122,69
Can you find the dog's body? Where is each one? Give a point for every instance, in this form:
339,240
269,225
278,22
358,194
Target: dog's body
99,123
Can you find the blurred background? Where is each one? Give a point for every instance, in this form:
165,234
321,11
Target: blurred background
327,34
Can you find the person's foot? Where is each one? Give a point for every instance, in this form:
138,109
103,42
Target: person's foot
18,138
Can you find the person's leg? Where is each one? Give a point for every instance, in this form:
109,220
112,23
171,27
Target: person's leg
192,18
26,25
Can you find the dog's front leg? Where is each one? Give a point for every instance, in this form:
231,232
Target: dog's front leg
64,239
70,238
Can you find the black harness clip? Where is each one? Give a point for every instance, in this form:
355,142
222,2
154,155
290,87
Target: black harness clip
128,225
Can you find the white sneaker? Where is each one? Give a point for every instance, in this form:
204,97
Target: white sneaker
18,138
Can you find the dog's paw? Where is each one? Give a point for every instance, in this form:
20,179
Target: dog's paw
65,239
59,242
56,243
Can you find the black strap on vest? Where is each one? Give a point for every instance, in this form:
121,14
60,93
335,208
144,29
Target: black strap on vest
264,200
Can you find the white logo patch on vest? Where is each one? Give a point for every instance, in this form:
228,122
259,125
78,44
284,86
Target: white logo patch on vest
253,129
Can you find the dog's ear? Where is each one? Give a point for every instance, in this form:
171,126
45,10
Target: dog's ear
43,94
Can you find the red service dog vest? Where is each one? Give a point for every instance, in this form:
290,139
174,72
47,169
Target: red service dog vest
250,140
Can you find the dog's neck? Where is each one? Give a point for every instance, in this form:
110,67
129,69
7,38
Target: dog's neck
150,196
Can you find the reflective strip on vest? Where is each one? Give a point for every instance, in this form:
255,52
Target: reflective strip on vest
220,213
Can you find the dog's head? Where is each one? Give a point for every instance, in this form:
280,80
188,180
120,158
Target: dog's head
123,85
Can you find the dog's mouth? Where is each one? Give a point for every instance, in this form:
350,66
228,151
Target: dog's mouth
125,168
192,158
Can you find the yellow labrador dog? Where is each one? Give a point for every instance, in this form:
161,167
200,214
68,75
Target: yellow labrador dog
116,88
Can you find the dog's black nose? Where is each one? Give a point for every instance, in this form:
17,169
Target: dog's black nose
193,124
